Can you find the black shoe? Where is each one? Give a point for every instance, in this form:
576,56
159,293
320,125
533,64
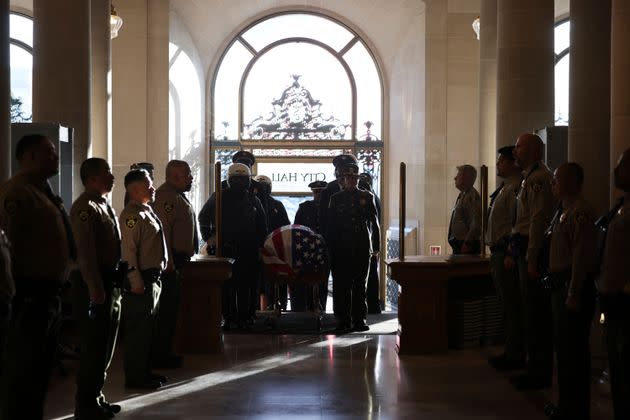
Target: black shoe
504,363
527,382
343,327
94,412
112,408
148,383
169,362
157,377
360,326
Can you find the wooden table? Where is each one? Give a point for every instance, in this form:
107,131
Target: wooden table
422,301
199,322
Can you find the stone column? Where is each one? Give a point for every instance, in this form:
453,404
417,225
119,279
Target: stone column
101,69
488,88
61,71
589,97
619,81
525,76
5,93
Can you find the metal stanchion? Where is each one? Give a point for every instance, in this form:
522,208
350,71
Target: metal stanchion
217,209
483,183
402,208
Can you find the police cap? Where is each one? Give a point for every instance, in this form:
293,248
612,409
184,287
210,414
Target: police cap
351,169
317,185
245,157
263,179
342,160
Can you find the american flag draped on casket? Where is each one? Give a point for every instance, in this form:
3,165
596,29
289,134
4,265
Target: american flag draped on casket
294,250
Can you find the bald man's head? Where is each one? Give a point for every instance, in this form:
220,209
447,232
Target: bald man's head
622,172
179,175
529,149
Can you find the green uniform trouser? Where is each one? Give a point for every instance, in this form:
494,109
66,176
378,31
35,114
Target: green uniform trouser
139,315
509,292
168,310
32,339
98,340
573,355
538,324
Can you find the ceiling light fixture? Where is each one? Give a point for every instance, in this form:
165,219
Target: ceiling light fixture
476,25
115,23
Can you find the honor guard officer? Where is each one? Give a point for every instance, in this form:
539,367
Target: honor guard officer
373,301
180,230
571,268
613,285
353,236
308,215
7,290
464,230
43,247
144,250
98,290
244,230
500,214
276,218
534,209
333,187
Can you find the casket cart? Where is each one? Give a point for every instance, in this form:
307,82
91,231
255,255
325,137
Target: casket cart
295,255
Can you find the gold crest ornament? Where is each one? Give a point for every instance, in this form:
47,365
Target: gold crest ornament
131,222
11,207
84,215
537,187
168,207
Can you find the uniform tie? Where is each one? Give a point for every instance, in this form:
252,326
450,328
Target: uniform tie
195,230
110,212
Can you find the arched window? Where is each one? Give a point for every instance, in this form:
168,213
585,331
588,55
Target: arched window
185,116
561,48
296,89
21,50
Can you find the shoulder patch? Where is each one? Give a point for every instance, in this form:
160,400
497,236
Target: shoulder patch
537,186
11,206
131,222
84,215
168,207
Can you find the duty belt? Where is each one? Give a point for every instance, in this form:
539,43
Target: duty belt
151,275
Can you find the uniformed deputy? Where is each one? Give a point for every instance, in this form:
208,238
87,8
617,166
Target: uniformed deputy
276,218
244,230
464,229
98,289
500,214
571,267
180,230
147,166
144,250
7,290
373,284
613,285
333,187
534,209
353,235
39,230
308,215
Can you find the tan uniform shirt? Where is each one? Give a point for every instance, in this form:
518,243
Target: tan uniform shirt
465,222
143,244
535,207
502,212
7,288
97,235
36,230
178,220
573,244
615,271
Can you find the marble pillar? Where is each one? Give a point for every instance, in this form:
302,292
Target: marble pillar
101,68
61,71
5,93
619,82
488,88
589,97
525,73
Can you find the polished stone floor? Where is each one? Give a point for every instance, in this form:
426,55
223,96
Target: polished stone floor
302,376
